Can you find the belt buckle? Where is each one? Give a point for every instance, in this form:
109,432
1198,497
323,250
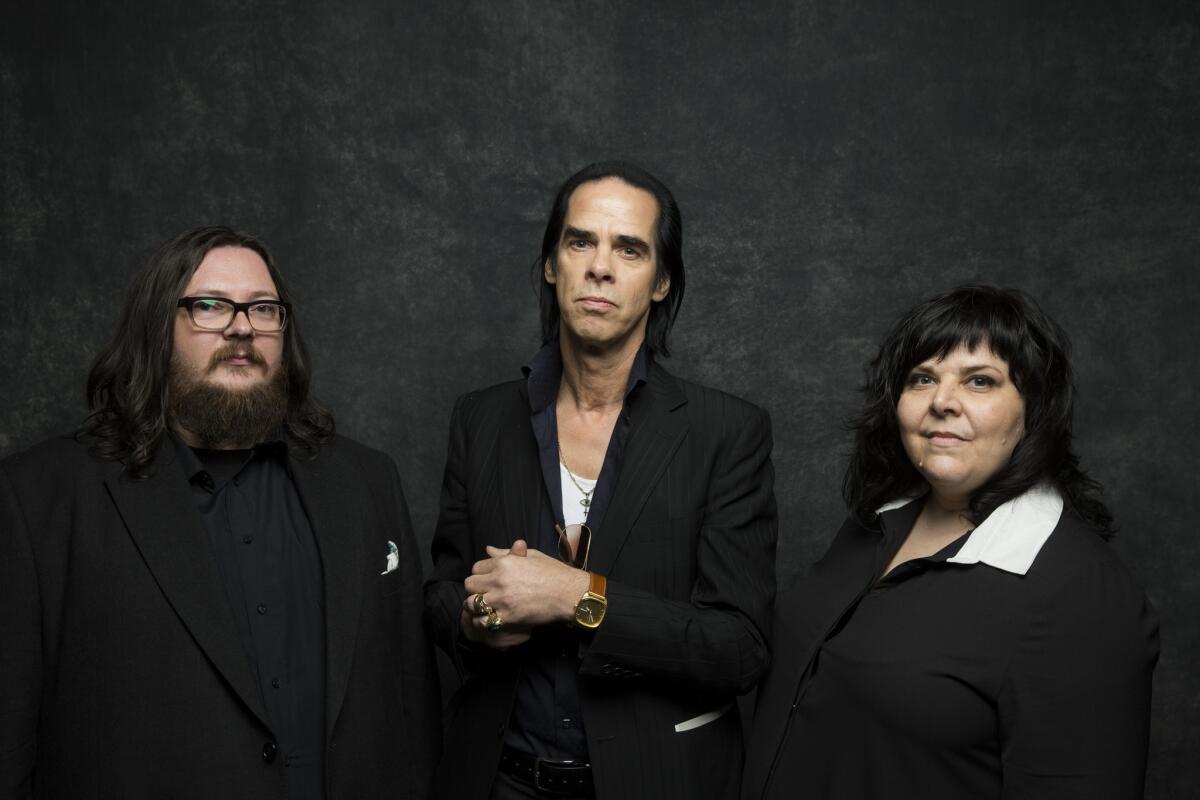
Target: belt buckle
566,764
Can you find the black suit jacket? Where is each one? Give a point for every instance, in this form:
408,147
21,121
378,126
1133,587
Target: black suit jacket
123,672
688,546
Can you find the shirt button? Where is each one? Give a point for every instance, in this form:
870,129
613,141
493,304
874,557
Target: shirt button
237,481
268,751
247,539
262,608
565,722
275,682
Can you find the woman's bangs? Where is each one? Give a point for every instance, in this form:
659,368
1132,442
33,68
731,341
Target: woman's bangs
986,325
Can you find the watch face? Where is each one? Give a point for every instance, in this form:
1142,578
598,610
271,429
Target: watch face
589,612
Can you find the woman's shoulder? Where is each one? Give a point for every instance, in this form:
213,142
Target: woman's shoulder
1078,578
1076,552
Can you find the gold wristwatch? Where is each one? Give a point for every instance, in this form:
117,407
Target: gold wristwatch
589,611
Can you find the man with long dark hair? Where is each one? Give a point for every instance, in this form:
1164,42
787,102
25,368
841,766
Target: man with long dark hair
604,557
205,592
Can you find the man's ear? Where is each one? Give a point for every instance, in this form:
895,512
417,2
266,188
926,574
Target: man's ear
662,289
548,271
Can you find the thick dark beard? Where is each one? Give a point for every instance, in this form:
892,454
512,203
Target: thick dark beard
219,418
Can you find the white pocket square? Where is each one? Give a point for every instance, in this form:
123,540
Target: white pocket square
702,720
393,558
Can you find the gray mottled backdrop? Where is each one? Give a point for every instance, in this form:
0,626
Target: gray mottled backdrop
835,162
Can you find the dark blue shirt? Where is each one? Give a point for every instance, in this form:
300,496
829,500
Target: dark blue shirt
547,720
270,567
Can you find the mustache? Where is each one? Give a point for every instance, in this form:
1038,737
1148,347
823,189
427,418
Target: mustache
236,350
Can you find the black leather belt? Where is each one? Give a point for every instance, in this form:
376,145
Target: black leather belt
551,777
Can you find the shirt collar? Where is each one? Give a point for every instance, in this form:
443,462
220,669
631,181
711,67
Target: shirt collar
187,459
543,374
1012,535
194,469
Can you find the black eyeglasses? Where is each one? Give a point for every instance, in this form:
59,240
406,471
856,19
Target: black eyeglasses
217,313
574,544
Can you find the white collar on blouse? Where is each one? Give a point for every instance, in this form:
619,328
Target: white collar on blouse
1012,535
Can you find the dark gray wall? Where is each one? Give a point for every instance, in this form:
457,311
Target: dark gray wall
835,163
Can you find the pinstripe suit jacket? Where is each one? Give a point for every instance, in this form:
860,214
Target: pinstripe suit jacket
688,547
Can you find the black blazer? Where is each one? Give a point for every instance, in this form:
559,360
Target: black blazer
688,546
123,672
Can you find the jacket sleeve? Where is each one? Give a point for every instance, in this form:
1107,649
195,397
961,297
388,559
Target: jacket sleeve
20,649
1075,707
451,549
718,640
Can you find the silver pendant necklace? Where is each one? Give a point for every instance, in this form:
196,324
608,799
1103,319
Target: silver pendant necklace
586,500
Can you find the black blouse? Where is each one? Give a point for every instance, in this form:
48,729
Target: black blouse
947,680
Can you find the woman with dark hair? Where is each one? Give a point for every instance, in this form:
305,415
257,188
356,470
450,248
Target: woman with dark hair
969,633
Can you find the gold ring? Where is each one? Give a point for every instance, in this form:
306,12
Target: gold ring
494,624
482,607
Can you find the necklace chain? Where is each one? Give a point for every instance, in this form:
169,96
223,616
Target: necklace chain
586,500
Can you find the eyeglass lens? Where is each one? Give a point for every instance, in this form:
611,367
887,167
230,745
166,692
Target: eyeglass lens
574,544
217,314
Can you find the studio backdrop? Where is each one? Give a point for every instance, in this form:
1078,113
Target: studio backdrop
835,163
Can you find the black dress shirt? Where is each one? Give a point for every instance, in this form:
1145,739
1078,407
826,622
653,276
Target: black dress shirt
957,680
547,720
271,570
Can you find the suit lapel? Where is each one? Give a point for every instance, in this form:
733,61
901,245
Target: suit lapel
656,429
160,514
337,511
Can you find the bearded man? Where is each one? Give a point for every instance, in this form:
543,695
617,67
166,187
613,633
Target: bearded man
205,592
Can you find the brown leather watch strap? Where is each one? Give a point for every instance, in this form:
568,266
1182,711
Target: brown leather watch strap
597,584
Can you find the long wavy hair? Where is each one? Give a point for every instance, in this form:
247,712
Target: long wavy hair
1037,352
128,386
668,245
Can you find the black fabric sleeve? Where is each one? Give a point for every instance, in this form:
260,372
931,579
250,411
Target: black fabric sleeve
719,640
20,649
451,549
1075,707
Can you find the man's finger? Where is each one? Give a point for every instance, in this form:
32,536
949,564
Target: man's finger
478,584
483,567
519,548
